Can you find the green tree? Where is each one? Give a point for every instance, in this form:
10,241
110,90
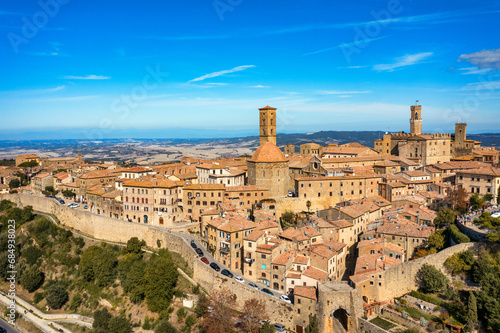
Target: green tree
32,278
430,279
119,324
134,245
288,218
202,306
472,310
104,266
313,326
29,164
68,194
165,327
488,197
56,297
445,217
4,262
308,205
31,254
75,302
437,240
476,201
101,320
181,314
267,327
160,278
14,183
50,191
131,274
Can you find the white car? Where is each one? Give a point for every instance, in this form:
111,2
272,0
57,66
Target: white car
495,214
239,279
73,205
285,298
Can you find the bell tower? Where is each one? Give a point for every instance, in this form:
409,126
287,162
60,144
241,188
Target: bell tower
267,124
416,119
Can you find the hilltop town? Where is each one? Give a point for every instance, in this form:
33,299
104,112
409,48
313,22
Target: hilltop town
341,233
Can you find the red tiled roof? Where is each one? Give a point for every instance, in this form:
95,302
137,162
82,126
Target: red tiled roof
315,273
268,152
305,291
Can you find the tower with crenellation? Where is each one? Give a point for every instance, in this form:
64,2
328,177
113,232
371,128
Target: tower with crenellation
416,120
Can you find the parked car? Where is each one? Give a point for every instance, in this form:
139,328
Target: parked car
279,327
227,273
73,205
495,214
61,201
200,252
253,285
193,245
267,291
205,260
85,207
285,298
215,267
239,279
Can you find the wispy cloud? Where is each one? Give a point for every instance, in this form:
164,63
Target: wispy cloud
181,38
217,84
485,85
259,86
352,67
221,73
483,59
474,70
406,60
345,45
86,77
343,92
69,98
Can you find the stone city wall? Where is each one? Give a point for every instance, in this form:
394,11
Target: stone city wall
401,279
114,230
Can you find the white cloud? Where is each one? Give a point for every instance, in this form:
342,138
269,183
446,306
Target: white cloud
406,60
483,58
345,45
343,92
485,85
217,84
86,77
474,70
221,73
351,67
259,86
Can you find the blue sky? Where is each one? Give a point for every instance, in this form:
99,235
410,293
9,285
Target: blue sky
81,69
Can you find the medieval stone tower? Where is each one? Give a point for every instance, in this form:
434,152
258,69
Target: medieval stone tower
460,135
267,123
268,167
416,120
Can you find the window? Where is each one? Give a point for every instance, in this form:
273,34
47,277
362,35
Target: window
263,256
298,300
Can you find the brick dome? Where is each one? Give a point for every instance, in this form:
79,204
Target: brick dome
268,152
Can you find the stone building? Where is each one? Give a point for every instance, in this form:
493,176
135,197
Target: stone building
267,122
27,158
482,181
196,198
268,167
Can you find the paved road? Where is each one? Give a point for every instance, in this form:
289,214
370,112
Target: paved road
9,328
210,258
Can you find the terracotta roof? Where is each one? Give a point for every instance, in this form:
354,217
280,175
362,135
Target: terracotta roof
293,275
342,223
254,235
100,174
301,260
210,211
151,182
283,258
267,224
315,273
488,171
138,169
336,246
416,173
410,230
266,248
305,291
112,194
205,187
29,156
374,262
61,175
245,188
267,107
323,251
268,152
42,175
232,223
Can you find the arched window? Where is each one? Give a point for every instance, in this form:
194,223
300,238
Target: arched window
416,115
133,199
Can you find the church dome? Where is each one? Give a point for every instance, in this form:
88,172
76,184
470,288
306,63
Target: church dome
268,152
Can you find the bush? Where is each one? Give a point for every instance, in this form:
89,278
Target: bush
431,279
32,278
57,296
457,236
37,298
181,314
